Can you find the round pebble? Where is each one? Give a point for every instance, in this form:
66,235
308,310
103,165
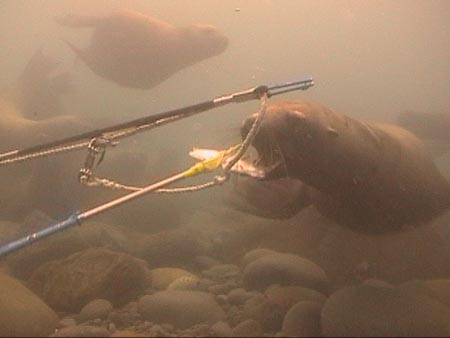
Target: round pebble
98,308
222,272
182,309
238,296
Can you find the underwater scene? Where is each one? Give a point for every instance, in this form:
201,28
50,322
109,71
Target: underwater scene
224,168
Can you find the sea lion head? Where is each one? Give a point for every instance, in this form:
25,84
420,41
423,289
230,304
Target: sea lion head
293,139
203,41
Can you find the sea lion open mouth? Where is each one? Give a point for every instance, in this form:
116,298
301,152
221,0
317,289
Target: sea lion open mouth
268,159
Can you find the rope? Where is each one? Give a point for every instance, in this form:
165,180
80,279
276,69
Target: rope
46,152
226,159
107,136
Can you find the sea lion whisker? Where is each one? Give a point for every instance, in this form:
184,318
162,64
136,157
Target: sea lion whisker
280,156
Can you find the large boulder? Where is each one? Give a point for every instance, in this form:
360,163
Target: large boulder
72,282
91,234
183,309
22,313
381,311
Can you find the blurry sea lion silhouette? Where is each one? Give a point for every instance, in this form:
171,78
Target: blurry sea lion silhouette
140,51
372,178
39,89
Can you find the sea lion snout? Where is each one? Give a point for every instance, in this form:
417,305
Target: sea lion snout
206,39
278,140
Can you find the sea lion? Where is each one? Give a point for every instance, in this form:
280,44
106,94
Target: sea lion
372,178
40,88
139,51
37,93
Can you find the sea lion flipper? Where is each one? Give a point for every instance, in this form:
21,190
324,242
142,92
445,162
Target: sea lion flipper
278,199
78,51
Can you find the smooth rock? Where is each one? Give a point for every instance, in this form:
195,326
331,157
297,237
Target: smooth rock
247,328
221,289
375,311
67,322
204,284
97,308
199,330
287,296
182,309
438,289
205,262
70,283
221,329
184,283
302,320
126,316
377,283
127,333
255,254
82,331
238,296
269,314
22,313
284,269
161,278
222,272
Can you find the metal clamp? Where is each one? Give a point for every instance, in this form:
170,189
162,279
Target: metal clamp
96,147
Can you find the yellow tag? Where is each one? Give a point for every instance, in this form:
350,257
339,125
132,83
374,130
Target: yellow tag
210,164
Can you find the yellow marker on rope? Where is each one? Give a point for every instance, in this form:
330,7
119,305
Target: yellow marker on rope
211,160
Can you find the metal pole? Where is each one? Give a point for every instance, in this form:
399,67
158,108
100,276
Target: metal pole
78,218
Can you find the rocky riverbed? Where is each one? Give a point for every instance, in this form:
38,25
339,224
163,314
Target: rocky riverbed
207,279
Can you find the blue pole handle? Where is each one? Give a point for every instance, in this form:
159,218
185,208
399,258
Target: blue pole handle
30,239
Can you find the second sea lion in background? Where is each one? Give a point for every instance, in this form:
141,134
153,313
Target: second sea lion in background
40,88
139,51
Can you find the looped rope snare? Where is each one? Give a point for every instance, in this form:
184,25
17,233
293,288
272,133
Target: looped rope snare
226,159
